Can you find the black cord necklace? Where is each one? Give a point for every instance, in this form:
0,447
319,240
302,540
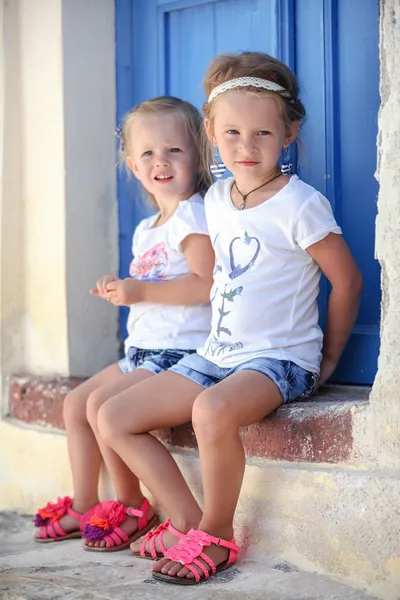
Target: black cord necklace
244,196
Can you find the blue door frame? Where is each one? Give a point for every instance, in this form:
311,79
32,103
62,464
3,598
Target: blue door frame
164,46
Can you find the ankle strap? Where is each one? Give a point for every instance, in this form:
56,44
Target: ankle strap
74,514
172,529
205,539
140,513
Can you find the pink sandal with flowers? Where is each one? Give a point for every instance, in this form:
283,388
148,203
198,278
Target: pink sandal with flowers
104,525
189,550
156,536
48,517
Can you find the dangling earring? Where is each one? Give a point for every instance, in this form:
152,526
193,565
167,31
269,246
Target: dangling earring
286,165
217,168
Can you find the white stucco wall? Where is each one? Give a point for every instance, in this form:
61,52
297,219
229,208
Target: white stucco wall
44,345
58,196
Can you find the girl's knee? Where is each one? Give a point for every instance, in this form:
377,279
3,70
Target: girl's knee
94,403
109,423
74,408
210,415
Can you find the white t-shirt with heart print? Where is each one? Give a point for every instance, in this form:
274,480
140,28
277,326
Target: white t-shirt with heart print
158,256
264,297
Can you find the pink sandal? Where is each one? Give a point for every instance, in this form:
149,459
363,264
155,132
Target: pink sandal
104,525
156,536
188,551
48,517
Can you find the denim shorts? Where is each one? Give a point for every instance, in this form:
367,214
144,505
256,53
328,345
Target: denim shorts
155,361
294,383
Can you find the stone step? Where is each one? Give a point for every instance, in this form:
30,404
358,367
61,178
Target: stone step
316,431
32,571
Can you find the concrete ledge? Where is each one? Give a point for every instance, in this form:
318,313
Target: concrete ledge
317,431
40,400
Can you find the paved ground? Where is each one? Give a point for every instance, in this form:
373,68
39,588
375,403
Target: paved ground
32,571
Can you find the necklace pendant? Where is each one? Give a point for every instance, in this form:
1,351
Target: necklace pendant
243,202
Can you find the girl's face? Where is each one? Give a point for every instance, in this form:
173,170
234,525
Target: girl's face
162,157
250,132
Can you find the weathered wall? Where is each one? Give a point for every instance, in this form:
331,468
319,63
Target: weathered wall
11,194
58,197
385,400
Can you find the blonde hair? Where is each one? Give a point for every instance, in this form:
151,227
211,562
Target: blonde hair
194,126
255,64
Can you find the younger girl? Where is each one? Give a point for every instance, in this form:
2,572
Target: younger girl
169,288
273,235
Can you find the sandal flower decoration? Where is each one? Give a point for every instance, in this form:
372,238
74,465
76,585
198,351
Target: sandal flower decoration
106,517
53,511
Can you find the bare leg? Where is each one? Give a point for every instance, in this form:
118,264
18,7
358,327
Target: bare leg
84,453
218,413
163,401
126,484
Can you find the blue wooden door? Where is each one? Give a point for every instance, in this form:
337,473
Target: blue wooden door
164,47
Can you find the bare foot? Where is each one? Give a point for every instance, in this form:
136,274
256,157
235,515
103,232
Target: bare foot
129,526
168,539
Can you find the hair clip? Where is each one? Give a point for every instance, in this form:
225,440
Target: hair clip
118,134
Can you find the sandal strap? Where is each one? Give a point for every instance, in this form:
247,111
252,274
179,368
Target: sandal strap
174,531
74,514
140,513
124,537
160,540
51,531
43,532
205,539
152,537
189,550
209,561
58,529
201,566
112,539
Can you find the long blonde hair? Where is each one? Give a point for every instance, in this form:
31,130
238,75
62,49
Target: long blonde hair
194,126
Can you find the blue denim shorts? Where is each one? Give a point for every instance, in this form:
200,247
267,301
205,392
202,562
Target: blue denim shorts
294,383
155,361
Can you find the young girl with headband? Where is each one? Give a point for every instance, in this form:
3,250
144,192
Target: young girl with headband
168,292
273,236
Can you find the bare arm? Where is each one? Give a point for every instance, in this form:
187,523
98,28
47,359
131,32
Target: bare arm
190,289
336,262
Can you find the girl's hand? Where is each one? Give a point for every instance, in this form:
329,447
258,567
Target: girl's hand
327,368
101,286
125,292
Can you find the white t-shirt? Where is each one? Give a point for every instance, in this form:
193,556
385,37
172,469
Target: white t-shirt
264,297
157,257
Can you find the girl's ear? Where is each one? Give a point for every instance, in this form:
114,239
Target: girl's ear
293,133
132,166
208,130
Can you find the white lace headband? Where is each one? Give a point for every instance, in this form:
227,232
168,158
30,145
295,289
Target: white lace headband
246,82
